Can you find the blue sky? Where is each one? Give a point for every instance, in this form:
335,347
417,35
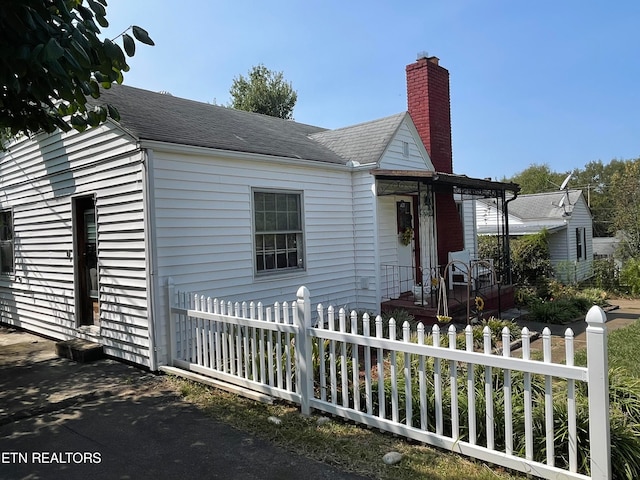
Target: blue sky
546,81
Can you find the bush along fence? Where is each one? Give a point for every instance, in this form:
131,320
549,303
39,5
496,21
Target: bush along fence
444,388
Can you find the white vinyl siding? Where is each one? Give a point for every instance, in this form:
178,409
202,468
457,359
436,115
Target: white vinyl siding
40,177
581,221
468,218
387,244
394,157
365,242
203,218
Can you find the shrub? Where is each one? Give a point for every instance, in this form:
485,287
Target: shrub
558,311
530,258
605,274
563,303
630,275
595,296
525,296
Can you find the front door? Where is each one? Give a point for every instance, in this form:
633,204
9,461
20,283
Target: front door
86,265
406,241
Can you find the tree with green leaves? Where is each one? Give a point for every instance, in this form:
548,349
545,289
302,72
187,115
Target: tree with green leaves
595,181
625,198
263,91
537,179
52,60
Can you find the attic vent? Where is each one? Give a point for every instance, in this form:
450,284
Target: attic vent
405,149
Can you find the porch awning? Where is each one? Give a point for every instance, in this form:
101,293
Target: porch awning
405,182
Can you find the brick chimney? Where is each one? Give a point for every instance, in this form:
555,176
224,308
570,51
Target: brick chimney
429,106
430,109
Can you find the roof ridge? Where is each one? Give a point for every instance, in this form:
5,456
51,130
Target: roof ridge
361,124
202,103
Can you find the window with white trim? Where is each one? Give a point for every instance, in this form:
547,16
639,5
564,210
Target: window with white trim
278,234
6,242
405,149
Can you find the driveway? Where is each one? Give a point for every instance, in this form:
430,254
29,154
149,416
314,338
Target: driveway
107,420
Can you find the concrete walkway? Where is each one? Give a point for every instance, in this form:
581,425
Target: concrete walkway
106,420
622,313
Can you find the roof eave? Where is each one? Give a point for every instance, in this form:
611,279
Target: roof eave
444,179
158,145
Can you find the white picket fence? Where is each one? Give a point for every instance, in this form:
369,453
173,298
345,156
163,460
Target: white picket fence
454,398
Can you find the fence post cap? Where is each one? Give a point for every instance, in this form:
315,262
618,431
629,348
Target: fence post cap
303,292
596,316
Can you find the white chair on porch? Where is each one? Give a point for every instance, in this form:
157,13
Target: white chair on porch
462,267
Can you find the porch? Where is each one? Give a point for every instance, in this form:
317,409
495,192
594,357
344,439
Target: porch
458,284
436,246
461,303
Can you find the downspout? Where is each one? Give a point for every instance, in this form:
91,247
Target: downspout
506,234
150,254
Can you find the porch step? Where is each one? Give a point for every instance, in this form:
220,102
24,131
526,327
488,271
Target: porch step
79,350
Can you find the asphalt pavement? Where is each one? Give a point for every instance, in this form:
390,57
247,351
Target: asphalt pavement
107,420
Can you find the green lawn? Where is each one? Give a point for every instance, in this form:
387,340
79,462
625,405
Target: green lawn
624,349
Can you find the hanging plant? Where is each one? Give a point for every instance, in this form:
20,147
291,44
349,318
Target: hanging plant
406,236
443,305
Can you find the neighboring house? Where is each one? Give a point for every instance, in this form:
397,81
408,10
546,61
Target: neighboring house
229,203
606,248
564,214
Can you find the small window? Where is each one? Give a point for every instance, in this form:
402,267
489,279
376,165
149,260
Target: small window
278,231
578,244
405,149
6,242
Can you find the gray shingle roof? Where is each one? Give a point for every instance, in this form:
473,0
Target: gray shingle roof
543,205
537,211
363,143
155,116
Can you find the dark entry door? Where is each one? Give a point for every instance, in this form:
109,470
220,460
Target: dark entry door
86,269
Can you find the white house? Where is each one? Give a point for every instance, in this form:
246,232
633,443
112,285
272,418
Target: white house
229,203
564,214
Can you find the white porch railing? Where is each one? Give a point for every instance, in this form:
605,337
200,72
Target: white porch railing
406,382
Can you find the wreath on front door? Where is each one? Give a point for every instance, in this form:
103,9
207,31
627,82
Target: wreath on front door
406,236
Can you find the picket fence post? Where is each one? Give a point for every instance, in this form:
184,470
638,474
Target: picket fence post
304,350
170,319
598,368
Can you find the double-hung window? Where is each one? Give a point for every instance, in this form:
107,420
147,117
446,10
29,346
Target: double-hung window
278,234
6,242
